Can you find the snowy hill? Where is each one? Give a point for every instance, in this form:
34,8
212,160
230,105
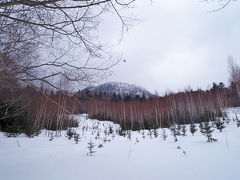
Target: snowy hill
122,89
137,156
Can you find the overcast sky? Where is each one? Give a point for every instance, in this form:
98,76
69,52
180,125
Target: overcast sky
175,44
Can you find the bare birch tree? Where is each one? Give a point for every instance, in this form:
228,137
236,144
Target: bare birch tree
234,70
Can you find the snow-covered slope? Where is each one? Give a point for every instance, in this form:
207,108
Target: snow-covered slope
122,89
135,157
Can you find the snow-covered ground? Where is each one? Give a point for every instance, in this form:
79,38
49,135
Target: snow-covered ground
120,158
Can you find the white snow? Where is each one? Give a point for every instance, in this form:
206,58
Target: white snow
122,159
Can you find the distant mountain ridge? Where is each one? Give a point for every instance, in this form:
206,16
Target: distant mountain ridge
119,88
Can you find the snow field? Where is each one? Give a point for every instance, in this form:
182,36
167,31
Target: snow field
120,158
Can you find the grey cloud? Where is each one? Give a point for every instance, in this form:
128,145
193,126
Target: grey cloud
177,44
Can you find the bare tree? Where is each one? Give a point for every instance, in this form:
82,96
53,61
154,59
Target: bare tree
220,3
234,70
63,33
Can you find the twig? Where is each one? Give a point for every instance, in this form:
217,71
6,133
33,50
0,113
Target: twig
18,144
226,138
129,153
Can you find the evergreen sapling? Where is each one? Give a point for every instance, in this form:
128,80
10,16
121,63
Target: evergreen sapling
206,130
238,121
179,128
174,132
77,138
150,133
91,148
129,134
184,130
70,133
193,129
111,130
155,133
219,124
143,134
164,134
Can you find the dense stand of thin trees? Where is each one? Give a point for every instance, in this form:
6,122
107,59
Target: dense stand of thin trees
52,110
183,107
36,109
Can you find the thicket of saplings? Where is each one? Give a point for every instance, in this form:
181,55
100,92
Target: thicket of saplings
100,134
